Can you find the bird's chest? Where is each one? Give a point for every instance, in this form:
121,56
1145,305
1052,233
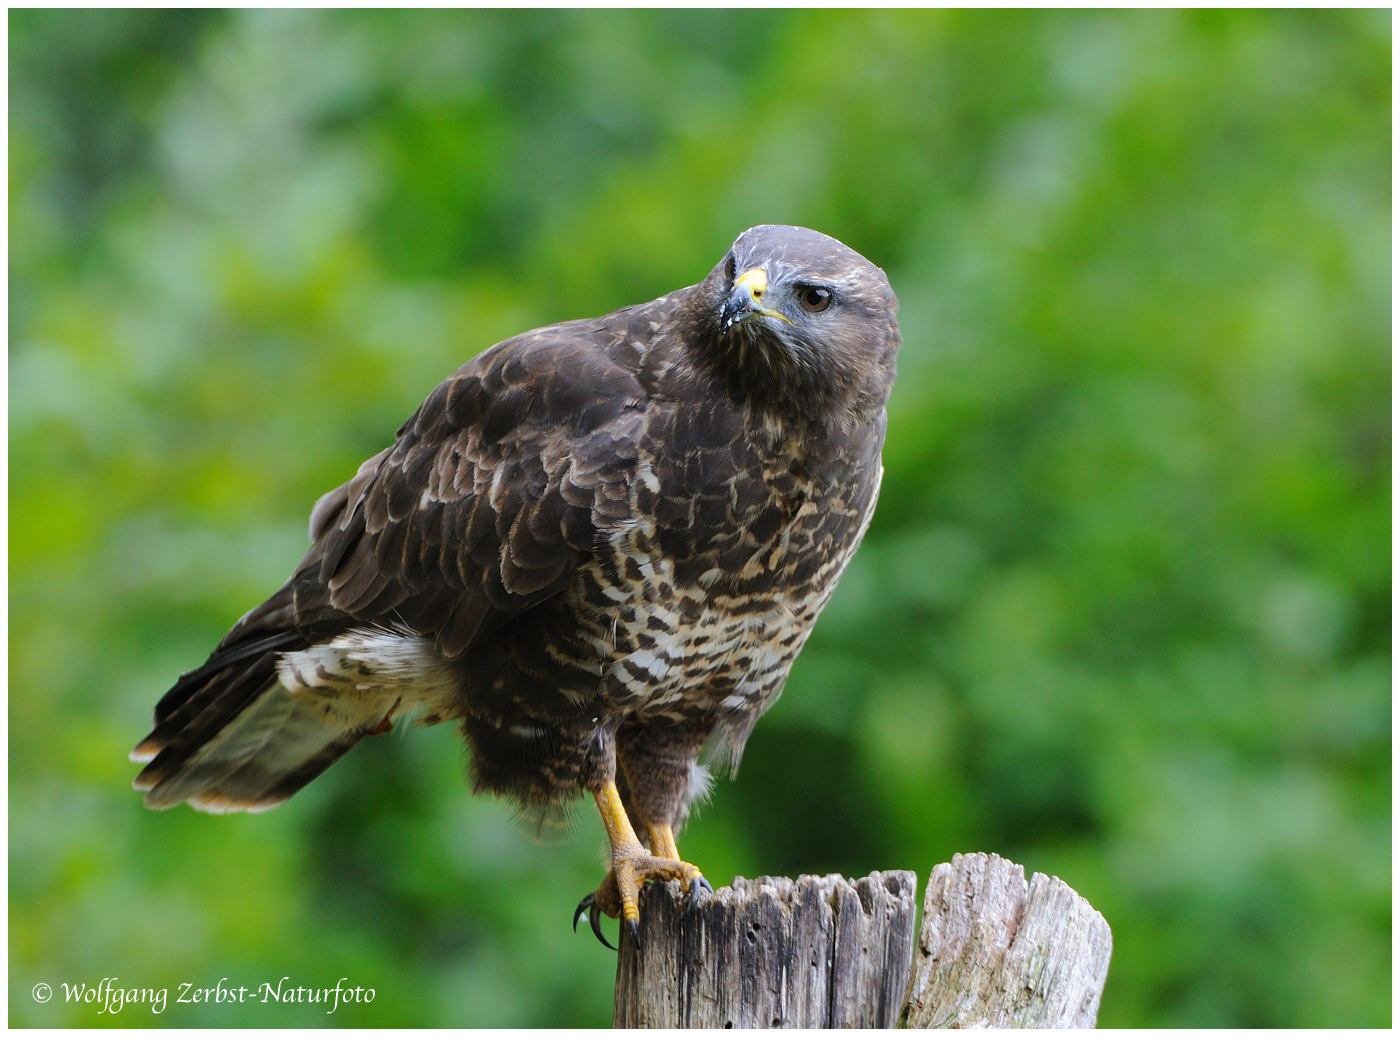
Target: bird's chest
703,599
695,651
734,504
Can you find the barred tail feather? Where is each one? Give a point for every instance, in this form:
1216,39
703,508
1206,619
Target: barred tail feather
242,742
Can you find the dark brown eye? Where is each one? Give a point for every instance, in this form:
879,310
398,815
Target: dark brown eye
814,299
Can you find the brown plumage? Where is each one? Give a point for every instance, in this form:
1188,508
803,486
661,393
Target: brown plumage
598,546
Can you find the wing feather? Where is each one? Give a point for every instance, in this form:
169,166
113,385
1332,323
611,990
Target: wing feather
492,494
494,488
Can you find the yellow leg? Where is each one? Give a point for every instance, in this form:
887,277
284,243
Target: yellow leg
625,846
616,897
663,843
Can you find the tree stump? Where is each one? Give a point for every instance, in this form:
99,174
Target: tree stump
997,951
814,953
826,952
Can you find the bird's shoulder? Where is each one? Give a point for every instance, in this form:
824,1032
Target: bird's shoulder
493,491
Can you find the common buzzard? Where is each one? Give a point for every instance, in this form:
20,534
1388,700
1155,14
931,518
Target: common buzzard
598,547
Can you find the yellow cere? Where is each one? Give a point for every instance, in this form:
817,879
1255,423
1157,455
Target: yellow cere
755,281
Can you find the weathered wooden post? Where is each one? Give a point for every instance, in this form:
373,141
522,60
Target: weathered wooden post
994,950
827,952
815,953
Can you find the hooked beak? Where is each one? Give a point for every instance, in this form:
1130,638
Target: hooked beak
745,300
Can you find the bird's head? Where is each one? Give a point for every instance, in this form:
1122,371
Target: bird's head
795,318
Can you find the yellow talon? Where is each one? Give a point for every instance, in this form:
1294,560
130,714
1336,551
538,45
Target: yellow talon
632,865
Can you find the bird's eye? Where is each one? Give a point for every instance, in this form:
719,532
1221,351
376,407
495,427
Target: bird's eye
814,299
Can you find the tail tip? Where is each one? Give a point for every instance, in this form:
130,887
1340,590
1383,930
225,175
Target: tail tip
145,752
145,782
218,803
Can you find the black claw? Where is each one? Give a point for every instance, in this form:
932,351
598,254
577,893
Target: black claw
583,905
636,932
590,904
698,885
593,915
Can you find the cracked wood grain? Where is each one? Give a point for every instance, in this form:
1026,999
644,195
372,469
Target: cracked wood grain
811,953
997,951
825,952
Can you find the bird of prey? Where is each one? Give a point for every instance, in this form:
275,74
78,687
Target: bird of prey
597,547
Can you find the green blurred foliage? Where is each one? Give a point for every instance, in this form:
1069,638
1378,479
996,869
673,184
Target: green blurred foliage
1123,615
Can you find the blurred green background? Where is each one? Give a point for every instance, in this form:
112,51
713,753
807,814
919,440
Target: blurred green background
1123,615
